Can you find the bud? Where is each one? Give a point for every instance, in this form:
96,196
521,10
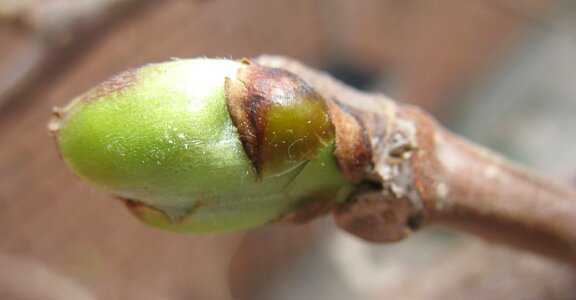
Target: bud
204,145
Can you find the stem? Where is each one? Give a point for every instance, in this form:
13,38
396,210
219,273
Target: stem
475,190
422,174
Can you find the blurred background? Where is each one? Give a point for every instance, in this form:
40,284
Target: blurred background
500,72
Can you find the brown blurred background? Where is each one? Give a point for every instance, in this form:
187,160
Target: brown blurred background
501,72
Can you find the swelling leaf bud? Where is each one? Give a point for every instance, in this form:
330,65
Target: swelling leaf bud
204,145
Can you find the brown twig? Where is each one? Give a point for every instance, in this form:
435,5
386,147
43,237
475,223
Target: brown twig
419,173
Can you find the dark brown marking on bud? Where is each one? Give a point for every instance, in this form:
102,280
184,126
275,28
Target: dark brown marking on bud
353,151
114,85
237,102
132,204
278,116
141,210
316,204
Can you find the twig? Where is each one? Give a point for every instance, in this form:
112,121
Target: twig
420,174
261,144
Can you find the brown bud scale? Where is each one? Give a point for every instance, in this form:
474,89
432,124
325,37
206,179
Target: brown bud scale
278,116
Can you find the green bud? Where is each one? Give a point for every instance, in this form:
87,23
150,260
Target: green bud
204,145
